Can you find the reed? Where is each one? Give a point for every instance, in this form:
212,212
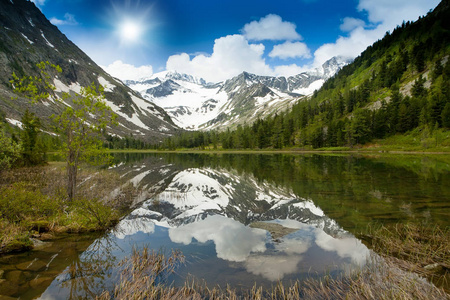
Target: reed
379,279
418,248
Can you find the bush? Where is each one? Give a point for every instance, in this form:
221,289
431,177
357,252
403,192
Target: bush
9,151
20,203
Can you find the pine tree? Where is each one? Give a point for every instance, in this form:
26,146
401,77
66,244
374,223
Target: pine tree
32,152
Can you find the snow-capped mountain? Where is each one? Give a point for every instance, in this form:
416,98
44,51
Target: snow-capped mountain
174,196
195,104
27,38
246,223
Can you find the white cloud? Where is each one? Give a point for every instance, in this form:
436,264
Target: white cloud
347,47
271,27
234,241
348,24
290,50
392,12
69,19
231,55
273,267
290,70
345,247
384,15
125,71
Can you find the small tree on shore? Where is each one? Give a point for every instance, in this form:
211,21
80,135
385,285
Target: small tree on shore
80,125
33,151
9,151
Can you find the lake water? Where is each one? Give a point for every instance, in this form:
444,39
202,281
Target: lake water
241,219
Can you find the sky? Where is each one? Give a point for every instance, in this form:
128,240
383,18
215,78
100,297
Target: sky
218,39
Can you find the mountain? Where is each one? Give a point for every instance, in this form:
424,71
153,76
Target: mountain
27,38
178,196
195,104
396,92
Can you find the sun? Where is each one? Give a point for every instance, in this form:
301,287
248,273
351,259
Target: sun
130,31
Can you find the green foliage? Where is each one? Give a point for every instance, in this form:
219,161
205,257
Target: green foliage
9,151
92,213
35,88
20,203
33,150
81,125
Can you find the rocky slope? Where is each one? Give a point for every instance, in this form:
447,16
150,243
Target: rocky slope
27,37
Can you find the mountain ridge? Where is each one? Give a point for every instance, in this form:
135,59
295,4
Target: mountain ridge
195,104
28,38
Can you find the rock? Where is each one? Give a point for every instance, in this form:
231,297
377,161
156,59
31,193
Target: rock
436,268
38,244
15,278
34,266
7,288
2,272
40,282
277,231
3,297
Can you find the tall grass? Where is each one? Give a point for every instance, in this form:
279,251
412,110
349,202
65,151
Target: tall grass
419,248
379,279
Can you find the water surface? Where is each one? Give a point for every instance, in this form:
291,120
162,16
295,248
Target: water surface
241,219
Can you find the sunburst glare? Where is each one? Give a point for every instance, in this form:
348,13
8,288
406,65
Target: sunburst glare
130,31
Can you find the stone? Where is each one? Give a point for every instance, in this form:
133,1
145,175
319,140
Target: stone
40,282
34,266
3,297
7,288
436,268
15,277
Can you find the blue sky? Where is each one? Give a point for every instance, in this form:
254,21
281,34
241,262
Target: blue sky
218,39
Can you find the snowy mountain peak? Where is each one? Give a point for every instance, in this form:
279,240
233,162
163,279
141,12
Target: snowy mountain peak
174,75
195,104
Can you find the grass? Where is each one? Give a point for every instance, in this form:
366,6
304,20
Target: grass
145,274
33,204
421,249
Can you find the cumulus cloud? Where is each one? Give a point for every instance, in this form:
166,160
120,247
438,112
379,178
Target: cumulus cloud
231,55
271,27
348,24
345,247
347,47
234,241
384,15
290,50
272,267
125,71
69,19
393,12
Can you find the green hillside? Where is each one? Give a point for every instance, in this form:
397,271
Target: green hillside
395,94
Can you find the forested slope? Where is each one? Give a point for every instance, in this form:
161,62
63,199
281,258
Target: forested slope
397,87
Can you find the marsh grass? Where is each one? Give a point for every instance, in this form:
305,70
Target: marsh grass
145,277
418,248
33,202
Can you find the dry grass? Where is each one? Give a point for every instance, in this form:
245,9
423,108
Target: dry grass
418,248
377,280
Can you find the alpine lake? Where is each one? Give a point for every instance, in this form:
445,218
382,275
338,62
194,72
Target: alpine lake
241,219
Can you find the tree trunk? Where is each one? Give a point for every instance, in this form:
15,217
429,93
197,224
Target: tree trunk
72,170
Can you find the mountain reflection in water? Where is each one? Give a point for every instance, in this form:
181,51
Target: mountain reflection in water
225,223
